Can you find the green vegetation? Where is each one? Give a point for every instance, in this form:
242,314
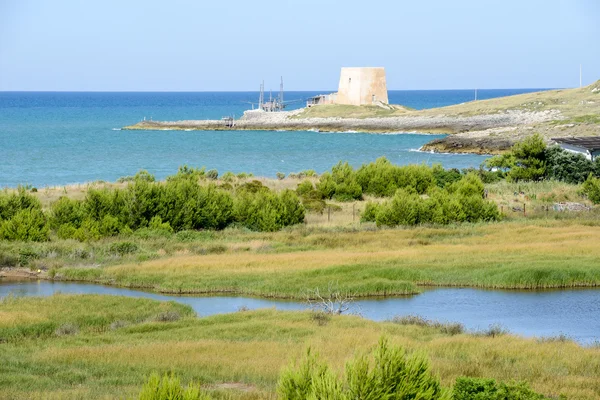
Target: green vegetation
591,188
60,315
531,160
242,355
489,389
392,375
169,388
525,254
462,201
194,235
178,204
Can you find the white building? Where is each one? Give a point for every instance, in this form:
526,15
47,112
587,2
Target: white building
588,146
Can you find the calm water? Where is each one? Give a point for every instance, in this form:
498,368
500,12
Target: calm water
59,138
574,313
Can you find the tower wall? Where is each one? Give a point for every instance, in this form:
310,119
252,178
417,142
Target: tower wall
362,86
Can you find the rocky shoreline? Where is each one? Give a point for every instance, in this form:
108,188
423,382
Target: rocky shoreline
292,121
459,144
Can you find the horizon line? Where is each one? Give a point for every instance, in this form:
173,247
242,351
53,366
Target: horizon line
256,91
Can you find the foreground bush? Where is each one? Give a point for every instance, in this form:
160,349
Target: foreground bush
392,374
169,388
489,389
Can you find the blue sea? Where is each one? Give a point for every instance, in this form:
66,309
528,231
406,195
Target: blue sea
57,138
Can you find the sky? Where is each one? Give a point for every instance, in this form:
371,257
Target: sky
226,45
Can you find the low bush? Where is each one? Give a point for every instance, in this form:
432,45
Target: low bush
489,389
591,189
460,201
392,374
169,388
123,248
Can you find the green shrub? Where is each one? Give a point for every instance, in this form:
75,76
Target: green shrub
228,177
391,374
169,388
370,212
460,201
157,224
280,175
326,186
564,166
382,178
123,248
266,211
591,188
11,204
27,225
445,177
343,181
66,211
142,175
212,174
525,162
26,255
188,173
305,189
489,389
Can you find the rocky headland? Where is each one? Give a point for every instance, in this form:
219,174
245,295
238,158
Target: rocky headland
482,127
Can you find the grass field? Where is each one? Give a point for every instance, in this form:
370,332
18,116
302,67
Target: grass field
117,342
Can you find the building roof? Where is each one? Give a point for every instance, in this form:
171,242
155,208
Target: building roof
590,143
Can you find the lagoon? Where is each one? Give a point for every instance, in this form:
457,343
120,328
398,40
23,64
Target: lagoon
574,313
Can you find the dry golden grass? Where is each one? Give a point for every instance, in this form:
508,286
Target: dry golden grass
253,347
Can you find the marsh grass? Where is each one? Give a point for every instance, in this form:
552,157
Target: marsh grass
249,350
449,328
64,315
532,254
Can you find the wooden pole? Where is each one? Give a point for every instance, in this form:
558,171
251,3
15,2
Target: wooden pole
524,213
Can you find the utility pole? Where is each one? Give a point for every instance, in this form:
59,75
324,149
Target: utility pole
580,77
281,93
261,96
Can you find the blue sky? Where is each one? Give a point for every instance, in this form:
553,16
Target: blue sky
199,45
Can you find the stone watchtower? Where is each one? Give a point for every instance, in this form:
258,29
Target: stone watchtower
362,86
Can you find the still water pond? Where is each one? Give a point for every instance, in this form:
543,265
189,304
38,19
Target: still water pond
574,313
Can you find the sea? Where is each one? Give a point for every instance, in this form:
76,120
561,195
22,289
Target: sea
59,138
